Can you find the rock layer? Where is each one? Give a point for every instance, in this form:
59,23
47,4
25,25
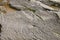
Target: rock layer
33,21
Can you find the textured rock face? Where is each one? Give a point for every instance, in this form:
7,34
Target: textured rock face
30,20
58,1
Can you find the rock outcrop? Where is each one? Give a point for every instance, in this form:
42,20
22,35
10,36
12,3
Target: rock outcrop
29,20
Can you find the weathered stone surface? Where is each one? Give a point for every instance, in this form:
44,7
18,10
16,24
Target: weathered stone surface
57,1
33,22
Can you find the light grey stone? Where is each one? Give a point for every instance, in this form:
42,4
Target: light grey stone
33,22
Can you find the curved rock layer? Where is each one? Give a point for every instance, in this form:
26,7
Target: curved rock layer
29,20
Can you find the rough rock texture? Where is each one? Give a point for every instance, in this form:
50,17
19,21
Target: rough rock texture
31,21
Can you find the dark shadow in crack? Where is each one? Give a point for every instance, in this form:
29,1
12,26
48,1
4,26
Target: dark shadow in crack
0,27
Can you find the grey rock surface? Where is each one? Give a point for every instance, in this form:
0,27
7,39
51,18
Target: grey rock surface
32,22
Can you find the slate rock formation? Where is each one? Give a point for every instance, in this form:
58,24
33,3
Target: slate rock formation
29,20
